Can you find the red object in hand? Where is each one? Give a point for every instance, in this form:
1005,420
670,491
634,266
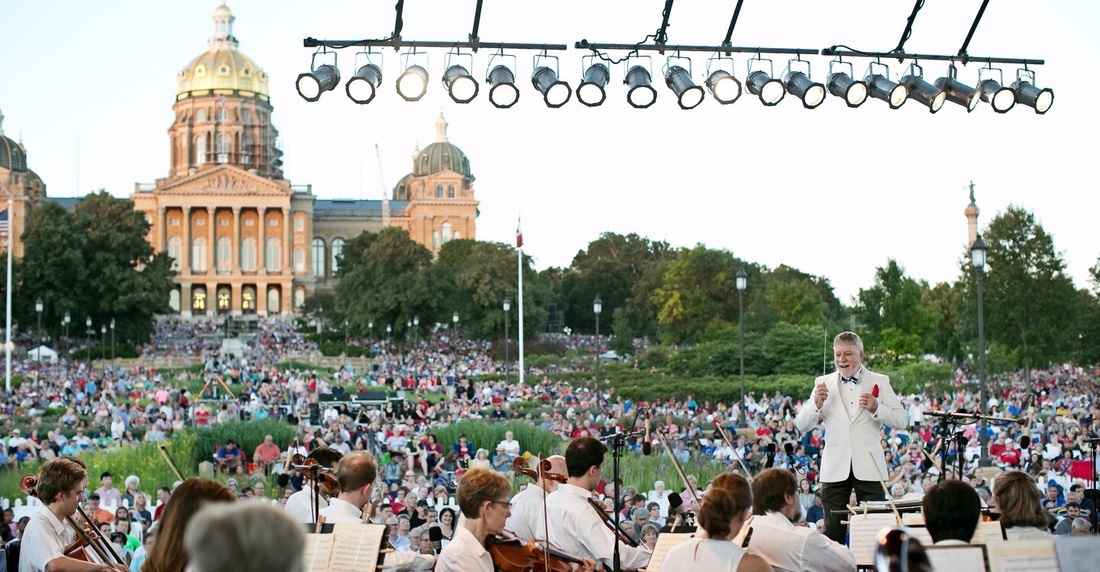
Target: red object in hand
874,391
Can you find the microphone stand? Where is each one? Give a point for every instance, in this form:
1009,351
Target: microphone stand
618,441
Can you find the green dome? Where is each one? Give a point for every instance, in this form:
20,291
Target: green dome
12,155
442,155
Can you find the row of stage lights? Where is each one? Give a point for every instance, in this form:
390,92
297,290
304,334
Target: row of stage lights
720,81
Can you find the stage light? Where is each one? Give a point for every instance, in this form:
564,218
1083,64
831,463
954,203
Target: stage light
799,84
554,91
362,87
957,92
927,94
413,83
317,81
688,95
770,91
882,88
724,87
640,93
460,85
841,84
1026,93
591,91
503,92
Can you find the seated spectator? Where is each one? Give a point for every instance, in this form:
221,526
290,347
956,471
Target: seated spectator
511,446
1080,527
229,458
815,512
1065,526
952,510
266,454
97,513
502,463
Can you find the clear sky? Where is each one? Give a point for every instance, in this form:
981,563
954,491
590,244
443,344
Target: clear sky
89,86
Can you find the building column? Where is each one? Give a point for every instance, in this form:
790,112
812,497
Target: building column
212,250
162,229
288,244
235,249
185,250
235,291
185,300
261,298
261,248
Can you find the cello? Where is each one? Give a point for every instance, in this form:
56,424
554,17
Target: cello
102,550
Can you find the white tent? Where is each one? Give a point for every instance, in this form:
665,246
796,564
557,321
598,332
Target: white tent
42,353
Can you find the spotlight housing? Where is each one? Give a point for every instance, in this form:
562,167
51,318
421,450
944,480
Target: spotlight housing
460,85
927,94
770,91
958,92
363,86
320,79
640,93
1026,93
1001,99
413,83
503,92
591,91
688,95
724,87
801,86
840,83
555,92
882,88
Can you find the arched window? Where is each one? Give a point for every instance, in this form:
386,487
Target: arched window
450,191
223,114
319,257
223,300
200,115
223,148
200,150
299,297
222,254
435,239
337,249
248,254
445,230
174,300
272,254
439,191
248,300
299,260
175,249
198,254
273,301
198,301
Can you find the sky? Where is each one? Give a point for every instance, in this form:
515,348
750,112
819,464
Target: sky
89,86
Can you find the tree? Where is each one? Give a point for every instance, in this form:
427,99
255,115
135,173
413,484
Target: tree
699,288
893,310
795,296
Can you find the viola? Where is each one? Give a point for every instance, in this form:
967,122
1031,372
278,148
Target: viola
513,555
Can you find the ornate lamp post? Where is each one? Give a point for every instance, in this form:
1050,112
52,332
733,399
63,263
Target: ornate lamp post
454,319
112,339
90,332
742,284
507,340
65,324
977,260
597,308
38,308
103,342
416,329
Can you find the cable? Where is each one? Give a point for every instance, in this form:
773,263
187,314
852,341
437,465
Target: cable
909,27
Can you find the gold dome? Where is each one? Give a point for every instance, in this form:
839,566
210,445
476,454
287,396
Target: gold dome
222,67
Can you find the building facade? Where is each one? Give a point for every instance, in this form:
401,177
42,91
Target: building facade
21,186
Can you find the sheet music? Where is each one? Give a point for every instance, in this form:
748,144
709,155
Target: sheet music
1024,556
1077,553
863,531
316,552
355,546
988,531
665,542
956,558
921,533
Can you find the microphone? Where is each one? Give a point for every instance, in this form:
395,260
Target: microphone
647,445
436,535
283,479
771,456
1025,442
674,503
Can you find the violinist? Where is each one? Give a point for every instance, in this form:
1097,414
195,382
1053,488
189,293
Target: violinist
575,528
356,474
61,484
721,515
483,499
300,504
526,521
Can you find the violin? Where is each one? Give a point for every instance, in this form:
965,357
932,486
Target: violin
313,469
512,555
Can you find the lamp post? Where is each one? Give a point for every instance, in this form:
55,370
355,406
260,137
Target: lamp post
742,283
597,307
65,324
507,340
112,339
89,332
103,342
346,338
416,329
38,309
370,326
977,260
389,329
454,319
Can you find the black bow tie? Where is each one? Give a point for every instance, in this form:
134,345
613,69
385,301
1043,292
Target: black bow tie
852,379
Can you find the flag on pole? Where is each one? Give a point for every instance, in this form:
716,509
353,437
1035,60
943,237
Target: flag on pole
4,224
519,234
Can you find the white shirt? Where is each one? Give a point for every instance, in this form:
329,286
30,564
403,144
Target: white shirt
703,554
576,528
340,510
464,554
511,447
790,547
300,505
44,539
526,521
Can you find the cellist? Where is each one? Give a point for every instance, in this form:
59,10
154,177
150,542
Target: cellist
528,506
61,485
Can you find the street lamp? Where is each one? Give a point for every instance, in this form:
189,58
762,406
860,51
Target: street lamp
65,324
103,342
112,339
389,328
742,283
454,319
507,340
38,308
977,260
416,328
370,326
597,307
89,332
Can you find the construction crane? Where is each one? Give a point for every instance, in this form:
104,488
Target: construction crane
385,194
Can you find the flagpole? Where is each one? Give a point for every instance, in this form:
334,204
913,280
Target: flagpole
7,293
519,271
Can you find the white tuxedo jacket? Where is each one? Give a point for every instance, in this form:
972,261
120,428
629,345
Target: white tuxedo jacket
849,439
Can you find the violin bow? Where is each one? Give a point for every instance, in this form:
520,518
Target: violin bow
168,457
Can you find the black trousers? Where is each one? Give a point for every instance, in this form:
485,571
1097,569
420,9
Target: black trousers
835,497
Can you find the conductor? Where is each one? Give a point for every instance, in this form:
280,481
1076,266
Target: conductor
852,403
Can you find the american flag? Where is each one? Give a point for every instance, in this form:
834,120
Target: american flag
4,225
519,234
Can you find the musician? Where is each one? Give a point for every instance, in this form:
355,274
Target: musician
528,508
575,527
1022,516
168,554
227,537
853,416
483,499
721,515
952,510
356,473
61,484
300,504
775,537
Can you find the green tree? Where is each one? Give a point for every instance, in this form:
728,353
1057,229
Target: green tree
699,288
795,296
893,310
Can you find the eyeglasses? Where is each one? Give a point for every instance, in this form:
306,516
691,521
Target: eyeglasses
506,504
